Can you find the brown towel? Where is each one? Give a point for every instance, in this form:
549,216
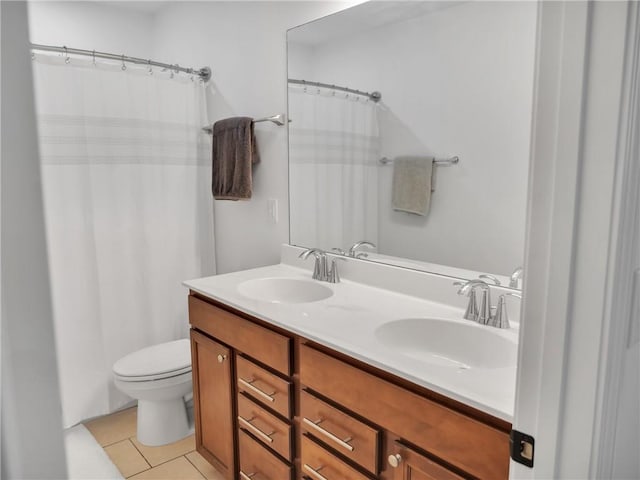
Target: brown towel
234,153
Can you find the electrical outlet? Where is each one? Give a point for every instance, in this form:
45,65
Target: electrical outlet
272,208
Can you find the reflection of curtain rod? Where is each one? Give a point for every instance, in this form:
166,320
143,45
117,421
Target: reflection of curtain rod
375,96
204,73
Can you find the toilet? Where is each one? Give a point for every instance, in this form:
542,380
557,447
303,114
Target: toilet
159,377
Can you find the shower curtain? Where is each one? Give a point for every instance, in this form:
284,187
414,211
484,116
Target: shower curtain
128,215
333,168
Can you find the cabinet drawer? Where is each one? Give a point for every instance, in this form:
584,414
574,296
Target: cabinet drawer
257,463
263,344
318,464
263,386
267,428
352,438
468,444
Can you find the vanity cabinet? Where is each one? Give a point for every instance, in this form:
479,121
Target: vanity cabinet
242,394
271,405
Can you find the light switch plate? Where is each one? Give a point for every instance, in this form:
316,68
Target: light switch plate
272,207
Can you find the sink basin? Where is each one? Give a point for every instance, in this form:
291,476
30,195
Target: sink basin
284,290
449,344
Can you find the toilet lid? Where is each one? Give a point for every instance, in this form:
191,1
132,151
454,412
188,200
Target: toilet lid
161,360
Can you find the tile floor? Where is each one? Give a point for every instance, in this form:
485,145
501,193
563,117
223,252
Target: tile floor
116,433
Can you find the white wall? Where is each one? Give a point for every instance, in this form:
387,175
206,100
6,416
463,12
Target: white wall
455,81
100,26
31,425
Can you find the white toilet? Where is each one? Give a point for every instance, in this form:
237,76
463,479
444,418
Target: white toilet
158,377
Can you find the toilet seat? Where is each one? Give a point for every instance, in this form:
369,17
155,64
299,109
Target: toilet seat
157,362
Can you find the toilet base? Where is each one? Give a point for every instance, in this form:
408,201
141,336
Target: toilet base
162,422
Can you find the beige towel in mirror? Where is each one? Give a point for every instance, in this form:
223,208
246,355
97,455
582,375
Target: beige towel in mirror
412,179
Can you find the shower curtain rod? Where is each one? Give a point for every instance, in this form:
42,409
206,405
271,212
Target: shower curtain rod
375,96
204,73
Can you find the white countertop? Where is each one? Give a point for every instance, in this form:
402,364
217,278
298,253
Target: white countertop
347,321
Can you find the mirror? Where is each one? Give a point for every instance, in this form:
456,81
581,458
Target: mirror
455,81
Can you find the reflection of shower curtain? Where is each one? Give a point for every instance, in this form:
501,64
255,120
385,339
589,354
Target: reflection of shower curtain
128,216
334,149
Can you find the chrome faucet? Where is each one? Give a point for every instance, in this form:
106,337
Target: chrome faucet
481,315
515,276
321,270
353,251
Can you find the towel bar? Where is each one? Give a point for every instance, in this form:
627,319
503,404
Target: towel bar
278,119
446,162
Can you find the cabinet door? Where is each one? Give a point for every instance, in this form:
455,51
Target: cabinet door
410,465
213,402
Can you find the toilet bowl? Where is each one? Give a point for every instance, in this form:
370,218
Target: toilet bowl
158,377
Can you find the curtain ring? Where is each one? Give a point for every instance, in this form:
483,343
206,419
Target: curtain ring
150,69
93,55
124,67
67,59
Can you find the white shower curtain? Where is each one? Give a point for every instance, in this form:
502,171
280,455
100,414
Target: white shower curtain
126,180
333,165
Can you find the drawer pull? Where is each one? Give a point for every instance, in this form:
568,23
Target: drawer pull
316,426
246,476
256,390
247,424
314,472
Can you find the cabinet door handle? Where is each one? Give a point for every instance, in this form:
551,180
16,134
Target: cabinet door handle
221,358
316,426
314,472
247,424
256,390
395,460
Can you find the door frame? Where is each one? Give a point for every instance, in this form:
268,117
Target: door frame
583,62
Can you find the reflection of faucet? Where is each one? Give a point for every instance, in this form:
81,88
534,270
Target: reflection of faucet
354,248
482,315
321,271
515,276
488,276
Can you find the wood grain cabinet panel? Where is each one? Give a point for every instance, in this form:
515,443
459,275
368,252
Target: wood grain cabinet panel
265,427
352,438
466,443
256,463
263,386
263,344
213,402
410,465
318,464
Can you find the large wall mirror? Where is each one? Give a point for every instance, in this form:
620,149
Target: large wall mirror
410,128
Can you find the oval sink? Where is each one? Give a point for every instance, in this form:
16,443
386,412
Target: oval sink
284,290
449,344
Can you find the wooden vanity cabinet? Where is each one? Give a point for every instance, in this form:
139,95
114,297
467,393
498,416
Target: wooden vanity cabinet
242,393
270,405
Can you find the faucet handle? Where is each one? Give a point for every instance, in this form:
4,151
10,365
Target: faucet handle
501,317
471,313
339,251
333,276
